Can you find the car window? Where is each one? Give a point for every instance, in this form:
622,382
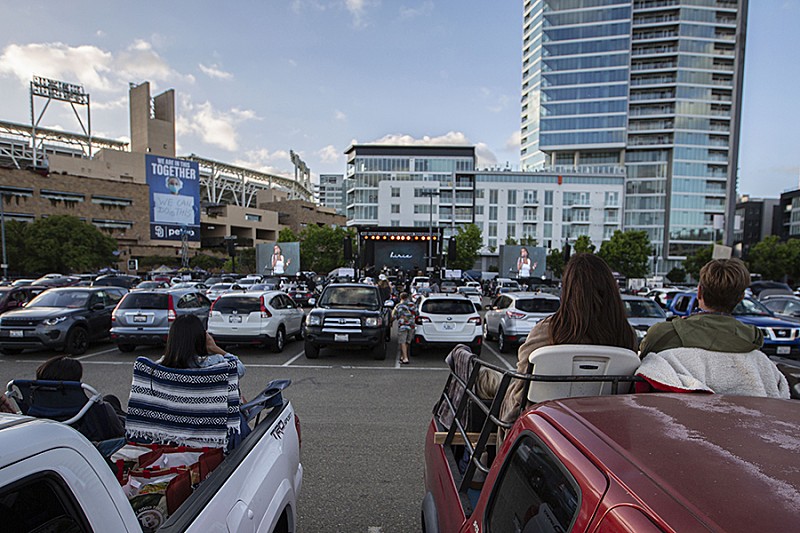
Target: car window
535,492
276,302
642,309
187,301
448,307
202,300
776,306
241,304
538,305
113,297
361,297
792,307
748,306
41,502
682,304
145,300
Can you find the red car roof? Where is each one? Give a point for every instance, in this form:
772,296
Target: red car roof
732,461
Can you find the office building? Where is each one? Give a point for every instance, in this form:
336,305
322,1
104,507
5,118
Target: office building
330,192
755,219
653,84
789,215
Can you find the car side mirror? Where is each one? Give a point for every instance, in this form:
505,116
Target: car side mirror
99,306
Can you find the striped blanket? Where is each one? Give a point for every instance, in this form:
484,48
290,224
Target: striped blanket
191,407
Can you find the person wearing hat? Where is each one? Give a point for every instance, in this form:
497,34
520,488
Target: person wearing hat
384,288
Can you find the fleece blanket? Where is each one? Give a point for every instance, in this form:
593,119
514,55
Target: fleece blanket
460,360
190,407
698,370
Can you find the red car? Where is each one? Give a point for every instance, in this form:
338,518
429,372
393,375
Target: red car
633,462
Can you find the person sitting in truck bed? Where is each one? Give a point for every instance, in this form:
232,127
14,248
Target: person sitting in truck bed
591,312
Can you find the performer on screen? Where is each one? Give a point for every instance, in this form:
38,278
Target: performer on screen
524,265
279,262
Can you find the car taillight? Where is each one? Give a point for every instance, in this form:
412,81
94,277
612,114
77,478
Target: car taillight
171,316
211,309
114,312
514,314
264,311
422,319
475,320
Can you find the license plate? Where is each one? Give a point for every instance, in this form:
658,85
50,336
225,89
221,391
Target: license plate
448,327
341,337
782,350
235,319
17,333
140,318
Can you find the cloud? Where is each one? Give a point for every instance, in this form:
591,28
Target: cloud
263,160
214,127
116,103
499,105
357,9
96,69
329,154
214,71
485,156
424,9
339,115
292,62
514,141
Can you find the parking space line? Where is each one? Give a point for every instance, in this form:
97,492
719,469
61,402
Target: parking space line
266,365
87,356
502,359
292,360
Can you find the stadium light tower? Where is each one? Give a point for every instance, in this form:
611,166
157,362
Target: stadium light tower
62,91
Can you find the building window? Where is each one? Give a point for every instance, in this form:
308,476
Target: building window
512,196
422,209
60,196
612,199
19,192
493,196
512,230
512,213
548,197
111,201
252,218
493,212
492,229
103,223
548,231
395,208
395,192
479,210
548,214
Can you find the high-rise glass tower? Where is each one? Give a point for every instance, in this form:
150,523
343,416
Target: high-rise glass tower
653,84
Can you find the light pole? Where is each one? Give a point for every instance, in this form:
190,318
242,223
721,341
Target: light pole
430,194
3,232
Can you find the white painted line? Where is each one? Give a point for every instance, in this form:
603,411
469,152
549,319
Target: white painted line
87,356
374,529
292,360
263,365
502,359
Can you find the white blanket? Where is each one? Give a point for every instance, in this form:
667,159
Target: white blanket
698,370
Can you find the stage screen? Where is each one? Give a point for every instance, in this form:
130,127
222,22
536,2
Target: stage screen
522,262
278,259
405,255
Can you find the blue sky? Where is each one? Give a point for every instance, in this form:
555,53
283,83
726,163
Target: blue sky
257,79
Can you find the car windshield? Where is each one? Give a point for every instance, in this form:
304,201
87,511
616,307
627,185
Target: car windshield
150,284
448,307
538,305
221,287
147,300
359,297
748,306
642,309
51,298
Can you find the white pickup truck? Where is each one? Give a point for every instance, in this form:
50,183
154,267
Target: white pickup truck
53,479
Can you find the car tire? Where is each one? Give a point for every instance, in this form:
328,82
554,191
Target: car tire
11,351
126,348
279,341
379,351
77,341
486,335
311,350
502,343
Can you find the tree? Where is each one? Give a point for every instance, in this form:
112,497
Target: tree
793,259
528,241
677,275
770,258
149,262
511,241
288,235
468,242
321,247
583,245
63,243
693,263
246,260
16,245
555,262
206,262
628,252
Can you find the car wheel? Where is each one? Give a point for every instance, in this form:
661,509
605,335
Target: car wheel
77,341
502,343
312,351
486,334
11,351
126,347
280,340
379,351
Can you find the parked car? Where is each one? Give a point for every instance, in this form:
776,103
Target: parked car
762,289
663,297
218,279
150,285
12,297
248,282
55,280
642,313
475,284
22,282
62,318
116,280
262,318
781,337
505,285
143,317
448,287
511,316
218,289
472,293
444,320
198,285
301,294
785,306
348,314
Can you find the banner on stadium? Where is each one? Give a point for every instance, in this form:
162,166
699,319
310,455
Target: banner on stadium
174,198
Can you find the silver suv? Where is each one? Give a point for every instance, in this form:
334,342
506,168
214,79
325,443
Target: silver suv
144,317
511,316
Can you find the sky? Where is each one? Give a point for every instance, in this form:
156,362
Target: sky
257,79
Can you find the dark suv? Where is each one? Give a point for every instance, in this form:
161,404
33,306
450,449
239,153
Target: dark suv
66,318
348,314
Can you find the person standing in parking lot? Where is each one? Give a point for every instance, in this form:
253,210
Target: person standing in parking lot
404,315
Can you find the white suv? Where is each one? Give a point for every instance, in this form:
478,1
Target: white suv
264,318
446,320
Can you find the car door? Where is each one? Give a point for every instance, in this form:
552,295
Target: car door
203,307
98,319
496,313
294,316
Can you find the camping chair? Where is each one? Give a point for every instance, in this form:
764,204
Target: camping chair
561,364
197,407
67,402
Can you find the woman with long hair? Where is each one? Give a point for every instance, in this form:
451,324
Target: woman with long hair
189,346
591,312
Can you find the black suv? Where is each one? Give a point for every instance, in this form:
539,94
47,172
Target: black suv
348,314
65,318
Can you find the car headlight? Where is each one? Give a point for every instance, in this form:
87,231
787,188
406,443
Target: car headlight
54,321
372,322
313,320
